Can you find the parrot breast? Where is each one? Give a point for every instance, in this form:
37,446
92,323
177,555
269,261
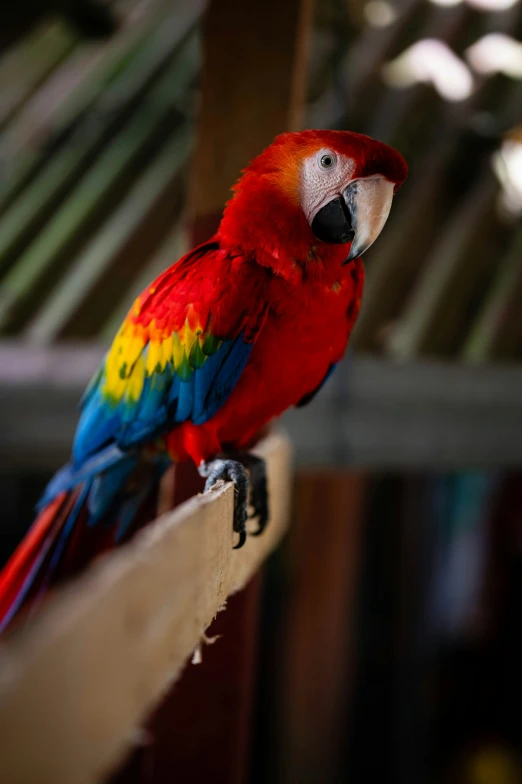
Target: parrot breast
299,343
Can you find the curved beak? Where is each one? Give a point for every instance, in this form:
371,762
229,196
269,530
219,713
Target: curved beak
369,202
357,216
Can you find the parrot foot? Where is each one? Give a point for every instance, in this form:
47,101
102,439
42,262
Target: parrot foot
235,470
257,468
230,471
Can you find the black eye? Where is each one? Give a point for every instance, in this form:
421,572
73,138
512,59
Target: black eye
327,161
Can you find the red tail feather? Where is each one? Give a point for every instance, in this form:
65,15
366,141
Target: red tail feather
19,566
49,553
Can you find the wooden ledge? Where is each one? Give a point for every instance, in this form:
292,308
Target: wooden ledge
77,682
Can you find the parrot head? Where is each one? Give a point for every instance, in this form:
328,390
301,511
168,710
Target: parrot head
310,194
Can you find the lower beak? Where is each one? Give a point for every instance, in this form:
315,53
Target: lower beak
357,216
333,222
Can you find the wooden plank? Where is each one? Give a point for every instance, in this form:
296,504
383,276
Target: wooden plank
180,729
105,648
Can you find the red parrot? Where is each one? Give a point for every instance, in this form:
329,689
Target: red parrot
238,330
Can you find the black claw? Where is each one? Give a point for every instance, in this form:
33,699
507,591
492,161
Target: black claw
233,470
261,524
257,467
242,540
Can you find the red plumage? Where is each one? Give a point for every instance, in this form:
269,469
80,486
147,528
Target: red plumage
225,340
305,331
314,300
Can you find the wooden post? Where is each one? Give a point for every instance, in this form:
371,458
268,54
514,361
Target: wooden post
324,550
253,87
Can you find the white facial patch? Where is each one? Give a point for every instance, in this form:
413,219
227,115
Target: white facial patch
321,183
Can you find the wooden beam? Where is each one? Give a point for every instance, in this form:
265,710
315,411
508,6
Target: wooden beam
417,415
373,412
253,87
80,678
180,728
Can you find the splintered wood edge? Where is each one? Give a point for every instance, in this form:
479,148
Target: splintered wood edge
78,681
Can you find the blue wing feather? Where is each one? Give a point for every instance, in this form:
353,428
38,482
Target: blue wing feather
165,400
71,474
190,387
223,382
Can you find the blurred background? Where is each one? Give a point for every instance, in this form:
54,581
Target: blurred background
388,637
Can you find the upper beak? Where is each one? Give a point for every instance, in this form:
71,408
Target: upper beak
357,216
369,202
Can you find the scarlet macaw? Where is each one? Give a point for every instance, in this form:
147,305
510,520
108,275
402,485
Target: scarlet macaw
240,329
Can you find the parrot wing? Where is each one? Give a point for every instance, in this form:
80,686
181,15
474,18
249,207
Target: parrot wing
177,356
